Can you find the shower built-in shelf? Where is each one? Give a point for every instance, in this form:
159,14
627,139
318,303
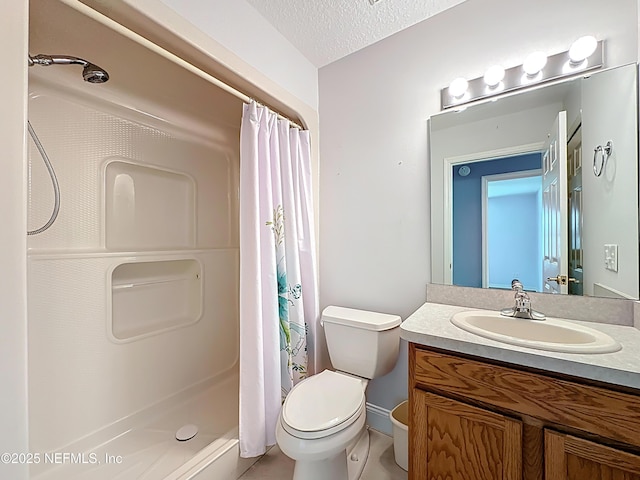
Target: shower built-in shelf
152,297
148,207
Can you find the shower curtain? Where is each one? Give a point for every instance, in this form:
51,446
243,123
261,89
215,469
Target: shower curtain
278,290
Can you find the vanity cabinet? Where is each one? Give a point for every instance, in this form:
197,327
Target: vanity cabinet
472,419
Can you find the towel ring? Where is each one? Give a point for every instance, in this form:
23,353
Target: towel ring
605,153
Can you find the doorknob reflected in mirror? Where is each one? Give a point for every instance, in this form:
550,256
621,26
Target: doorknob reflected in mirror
562,280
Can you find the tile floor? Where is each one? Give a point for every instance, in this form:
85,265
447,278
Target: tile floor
275,465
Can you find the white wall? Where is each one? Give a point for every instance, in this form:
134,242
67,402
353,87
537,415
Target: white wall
609,200
241,29
13,315
374,106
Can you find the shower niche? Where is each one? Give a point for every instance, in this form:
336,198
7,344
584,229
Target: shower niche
152,297
147,207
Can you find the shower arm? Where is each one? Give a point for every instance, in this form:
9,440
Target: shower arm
47,60
90,72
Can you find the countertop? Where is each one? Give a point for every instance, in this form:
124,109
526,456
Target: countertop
430,326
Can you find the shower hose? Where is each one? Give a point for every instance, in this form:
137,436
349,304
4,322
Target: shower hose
54,181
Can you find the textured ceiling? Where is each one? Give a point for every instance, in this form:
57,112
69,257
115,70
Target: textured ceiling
326,30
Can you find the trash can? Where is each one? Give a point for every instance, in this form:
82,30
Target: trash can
400,420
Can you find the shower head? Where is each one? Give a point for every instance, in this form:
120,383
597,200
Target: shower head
94,74
91,73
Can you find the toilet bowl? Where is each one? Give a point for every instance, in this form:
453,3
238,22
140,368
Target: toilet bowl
322,423
321,418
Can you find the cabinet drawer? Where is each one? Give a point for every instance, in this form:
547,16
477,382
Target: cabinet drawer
596,410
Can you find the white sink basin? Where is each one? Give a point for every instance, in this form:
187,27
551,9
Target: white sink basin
551,334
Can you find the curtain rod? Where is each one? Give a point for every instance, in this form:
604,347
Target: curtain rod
131,35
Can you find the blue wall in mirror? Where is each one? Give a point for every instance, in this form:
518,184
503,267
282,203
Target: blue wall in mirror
467,218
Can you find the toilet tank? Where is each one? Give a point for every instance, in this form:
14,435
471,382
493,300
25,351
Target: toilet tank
360,342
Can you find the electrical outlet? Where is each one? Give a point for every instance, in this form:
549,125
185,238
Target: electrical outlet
611,257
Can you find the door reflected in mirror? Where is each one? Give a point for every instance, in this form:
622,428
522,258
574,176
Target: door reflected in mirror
515,189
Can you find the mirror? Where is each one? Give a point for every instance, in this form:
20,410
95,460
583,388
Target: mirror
526,187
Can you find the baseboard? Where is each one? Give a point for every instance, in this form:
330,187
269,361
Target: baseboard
378,418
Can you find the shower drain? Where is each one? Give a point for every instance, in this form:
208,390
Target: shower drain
186,432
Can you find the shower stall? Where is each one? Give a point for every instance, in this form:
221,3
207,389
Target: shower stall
133,289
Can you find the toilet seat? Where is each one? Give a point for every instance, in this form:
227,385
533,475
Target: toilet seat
322,405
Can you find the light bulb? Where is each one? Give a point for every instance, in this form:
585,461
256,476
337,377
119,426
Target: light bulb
458,87
494,76
582,49
534,63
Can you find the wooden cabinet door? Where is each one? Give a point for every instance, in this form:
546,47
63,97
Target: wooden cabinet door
449,440
571,458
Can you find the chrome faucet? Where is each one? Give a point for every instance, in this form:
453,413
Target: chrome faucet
522,308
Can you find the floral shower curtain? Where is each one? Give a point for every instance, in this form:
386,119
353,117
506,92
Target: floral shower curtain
278,291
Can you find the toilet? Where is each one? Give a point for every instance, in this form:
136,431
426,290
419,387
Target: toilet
322,423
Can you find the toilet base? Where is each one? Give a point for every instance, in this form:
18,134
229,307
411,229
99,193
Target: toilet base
346,465
333,468
357,455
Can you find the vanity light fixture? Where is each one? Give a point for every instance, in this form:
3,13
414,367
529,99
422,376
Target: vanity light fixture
585,54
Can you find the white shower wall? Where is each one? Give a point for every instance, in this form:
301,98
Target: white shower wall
182,187
83,134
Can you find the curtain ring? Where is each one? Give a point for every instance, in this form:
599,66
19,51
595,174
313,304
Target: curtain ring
605,153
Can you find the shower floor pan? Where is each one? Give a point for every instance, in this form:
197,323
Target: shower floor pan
151,451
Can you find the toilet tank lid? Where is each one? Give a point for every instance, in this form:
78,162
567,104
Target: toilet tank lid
360,318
